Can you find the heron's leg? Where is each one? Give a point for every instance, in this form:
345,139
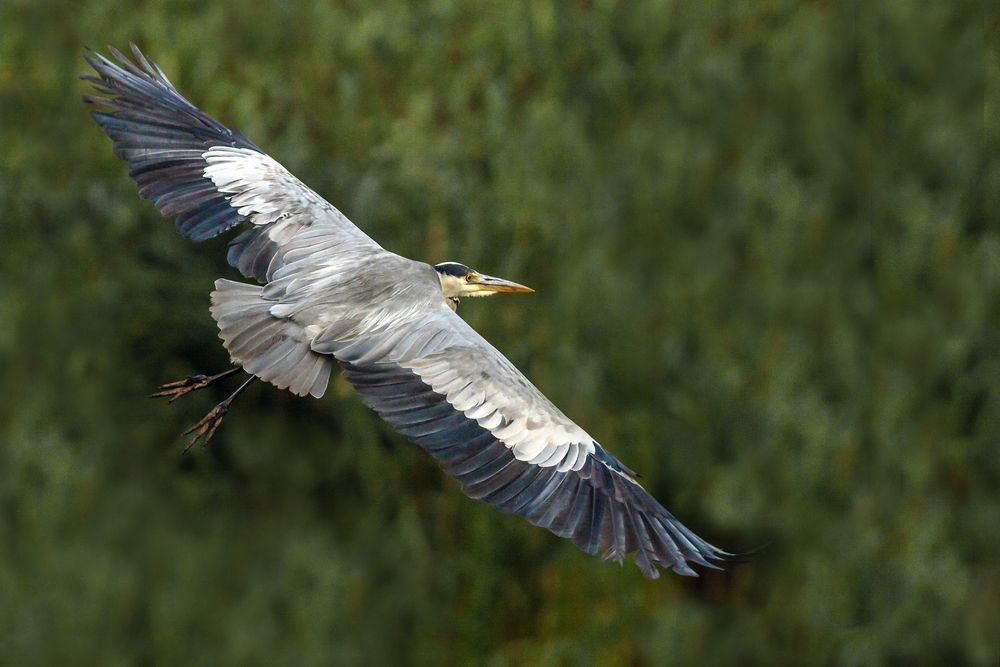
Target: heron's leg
205,428
174,390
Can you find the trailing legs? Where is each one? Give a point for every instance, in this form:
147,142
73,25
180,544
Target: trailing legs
206,426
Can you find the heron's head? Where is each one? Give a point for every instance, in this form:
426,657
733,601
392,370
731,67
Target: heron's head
458,280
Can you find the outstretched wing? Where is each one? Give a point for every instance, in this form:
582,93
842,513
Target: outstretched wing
439,383
193,167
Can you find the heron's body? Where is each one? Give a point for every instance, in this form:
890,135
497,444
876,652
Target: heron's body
329,296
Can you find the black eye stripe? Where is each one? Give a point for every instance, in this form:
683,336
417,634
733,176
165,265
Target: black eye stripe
453,269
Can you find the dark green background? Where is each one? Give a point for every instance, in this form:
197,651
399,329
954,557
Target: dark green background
764,238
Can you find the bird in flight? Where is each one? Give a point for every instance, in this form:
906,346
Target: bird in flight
327,296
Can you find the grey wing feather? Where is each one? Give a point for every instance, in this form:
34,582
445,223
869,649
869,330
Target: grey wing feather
442,385
193,167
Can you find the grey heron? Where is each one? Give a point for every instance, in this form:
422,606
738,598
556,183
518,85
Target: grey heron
329,296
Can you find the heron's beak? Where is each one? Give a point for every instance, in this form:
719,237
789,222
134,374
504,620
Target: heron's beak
494,284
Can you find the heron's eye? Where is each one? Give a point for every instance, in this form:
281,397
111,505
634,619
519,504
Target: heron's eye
471,278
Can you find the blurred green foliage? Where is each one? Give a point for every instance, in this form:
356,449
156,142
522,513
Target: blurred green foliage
764,237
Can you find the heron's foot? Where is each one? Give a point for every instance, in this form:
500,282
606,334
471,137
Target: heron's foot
205,428
174,390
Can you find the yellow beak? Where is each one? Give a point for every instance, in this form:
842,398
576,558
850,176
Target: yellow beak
494,284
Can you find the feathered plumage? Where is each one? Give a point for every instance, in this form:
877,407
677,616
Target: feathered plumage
330,294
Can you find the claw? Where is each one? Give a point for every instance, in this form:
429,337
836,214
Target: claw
205,428
174,390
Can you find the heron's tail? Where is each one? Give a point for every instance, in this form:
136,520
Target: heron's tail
272,348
